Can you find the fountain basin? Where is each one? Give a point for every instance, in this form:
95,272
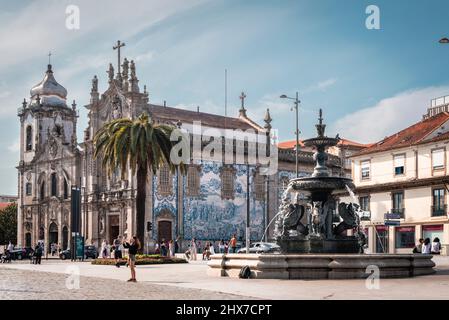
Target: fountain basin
321,184
321,266
294,245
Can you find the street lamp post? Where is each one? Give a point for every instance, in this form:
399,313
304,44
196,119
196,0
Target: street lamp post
297,102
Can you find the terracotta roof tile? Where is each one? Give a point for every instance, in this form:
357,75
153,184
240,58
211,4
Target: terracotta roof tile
3,205
412,135
207,119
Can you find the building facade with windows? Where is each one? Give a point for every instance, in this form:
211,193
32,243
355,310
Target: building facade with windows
403,181
208,203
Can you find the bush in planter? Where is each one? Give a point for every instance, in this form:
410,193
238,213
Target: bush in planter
141,261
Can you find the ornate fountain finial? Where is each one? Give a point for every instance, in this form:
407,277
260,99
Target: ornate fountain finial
320,127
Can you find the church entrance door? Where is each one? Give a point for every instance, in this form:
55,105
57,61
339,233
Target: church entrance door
164,231
28,240
52,235
114,229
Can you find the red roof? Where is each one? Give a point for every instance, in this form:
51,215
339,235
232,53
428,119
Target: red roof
290,144
412,135
3,205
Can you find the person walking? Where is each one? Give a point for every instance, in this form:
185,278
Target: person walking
436,246
426,247
193,249
221,246
163,248
104,250
206,251
37,254
418,247
118,251
10,247
171,248
212,248
133,246
233,244
177,245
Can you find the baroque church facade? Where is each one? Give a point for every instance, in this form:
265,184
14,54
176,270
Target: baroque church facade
209,202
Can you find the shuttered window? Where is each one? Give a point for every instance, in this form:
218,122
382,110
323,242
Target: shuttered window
399,164
365,169
438,159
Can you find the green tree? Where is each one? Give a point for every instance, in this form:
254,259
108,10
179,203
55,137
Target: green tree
140,145
8,224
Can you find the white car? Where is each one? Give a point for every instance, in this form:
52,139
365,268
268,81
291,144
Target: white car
261,247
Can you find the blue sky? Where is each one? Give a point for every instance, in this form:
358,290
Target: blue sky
370,83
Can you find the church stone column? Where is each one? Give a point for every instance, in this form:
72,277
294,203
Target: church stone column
20,211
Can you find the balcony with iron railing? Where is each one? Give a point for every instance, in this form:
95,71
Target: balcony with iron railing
399,211
438,211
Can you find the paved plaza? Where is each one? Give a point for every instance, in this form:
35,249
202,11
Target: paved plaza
21,280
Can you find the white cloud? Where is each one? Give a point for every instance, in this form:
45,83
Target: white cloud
40,26
321,86
144,57
15,146
388,115
270,101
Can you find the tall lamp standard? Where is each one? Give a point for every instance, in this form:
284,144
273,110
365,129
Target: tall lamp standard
296,107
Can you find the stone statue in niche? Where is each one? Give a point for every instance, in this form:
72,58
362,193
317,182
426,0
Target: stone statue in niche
53,147
95,84
116,108
111,73
102,224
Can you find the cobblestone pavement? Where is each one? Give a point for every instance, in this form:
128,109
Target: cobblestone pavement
26,284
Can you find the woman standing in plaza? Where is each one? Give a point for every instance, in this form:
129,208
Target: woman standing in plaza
193,249
104,250
171,248
133,246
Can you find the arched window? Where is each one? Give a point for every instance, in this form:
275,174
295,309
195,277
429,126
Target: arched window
165,181
54,185
66,189
259,187
193,181
42,191
28,189
228,182
29,138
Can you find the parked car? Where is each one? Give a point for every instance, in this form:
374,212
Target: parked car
261,247
90,252
65,254
21,253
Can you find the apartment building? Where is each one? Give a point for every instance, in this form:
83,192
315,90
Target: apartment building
403,181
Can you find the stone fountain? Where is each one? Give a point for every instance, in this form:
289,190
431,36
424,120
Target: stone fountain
312,231
311,222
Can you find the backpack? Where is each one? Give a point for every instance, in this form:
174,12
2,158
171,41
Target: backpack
245,272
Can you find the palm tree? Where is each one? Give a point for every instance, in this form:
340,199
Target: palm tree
140,144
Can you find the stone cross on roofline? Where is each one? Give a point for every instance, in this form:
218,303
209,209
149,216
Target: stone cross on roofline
118,46
242,108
